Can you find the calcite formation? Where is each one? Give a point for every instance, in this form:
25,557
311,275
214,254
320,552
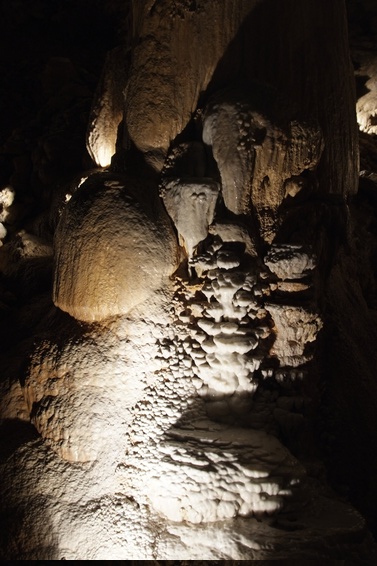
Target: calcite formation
191,205
119,249
290,261
367,103
107,109
6,200
165,80
229,328
295,328
260,158
77,390
173,381
208,476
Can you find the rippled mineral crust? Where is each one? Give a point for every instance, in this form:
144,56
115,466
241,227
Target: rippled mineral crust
112,251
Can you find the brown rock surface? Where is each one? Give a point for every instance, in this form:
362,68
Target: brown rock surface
111,250
107,108
179,47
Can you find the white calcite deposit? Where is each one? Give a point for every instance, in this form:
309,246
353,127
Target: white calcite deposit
228,328
207,476
7,195
295,328
290,261
191,205
366,106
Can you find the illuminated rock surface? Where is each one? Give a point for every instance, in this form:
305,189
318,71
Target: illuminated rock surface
199,387
107,109
191,205
119,249
265,156
366,105
166,80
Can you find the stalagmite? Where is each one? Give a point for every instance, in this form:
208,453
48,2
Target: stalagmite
102,239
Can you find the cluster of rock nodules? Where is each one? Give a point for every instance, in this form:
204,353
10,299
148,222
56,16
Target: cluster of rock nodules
190,468
241,335
231,326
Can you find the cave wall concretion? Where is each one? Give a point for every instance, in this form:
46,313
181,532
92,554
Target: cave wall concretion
180,369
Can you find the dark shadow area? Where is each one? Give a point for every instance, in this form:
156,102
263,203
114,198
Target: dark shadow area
361,88
26,529
301,53
23,537
14,433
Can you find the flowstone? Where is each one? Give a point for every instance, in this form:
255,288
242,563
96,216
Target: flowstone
190,384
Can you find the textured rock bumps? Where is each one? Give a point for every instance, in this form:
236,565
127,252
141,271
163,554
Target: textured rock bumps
233,344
